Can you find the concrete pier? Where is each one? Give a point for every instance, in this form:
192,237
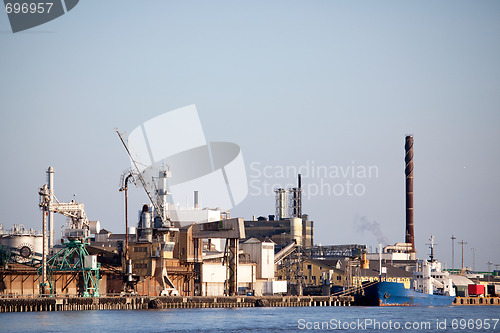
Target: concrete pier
145,302
477,301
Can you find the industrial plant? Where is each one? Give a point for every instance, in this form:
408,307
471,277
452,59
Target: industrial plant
195,251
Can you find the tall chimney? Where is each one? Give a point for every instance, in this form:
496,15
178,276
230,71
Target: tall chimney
195,199
409,232
299,208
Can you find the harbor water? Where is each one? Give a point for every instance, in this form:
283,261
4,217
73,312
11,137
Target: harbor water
266,319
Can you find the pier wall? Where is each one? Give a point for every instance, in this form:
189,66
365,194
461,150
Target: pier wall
477,301
21,280
144,302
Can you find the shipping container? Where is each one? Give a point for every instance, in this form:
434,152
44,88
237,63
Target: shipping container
490,290
476,289
494,290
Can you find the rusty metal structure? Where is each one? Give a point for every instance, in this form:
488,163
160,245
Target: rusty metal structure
409,231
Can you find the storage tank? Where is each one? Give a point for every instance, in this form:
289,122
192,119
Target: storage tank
296,230
280,203
145,224
95,227
23,244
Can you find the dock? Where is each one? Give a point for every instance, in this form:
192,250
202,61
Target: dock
477,301
34,304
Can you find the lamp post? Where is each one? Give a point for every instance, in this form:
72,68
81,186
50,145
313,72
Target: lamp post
489,263
124,188
453,251
473,259
462,243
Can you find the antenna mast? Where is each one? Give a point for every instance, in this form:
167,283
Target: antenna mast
431,246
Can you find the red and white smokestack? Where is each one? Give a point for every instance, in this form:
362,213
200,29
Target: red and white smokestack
409,232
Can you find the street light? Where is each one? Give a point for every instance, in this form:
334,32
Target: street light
453,251
462,243
473,259
489,263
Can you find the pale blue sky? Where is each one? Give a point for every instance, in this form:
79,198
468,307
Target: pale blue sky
289,81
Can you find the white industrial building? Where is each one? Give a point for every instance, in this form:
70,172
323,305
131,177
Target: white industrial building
255,273
213,276
262,253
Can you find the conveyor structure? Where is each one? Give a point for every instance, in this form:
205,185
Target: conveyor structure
73,257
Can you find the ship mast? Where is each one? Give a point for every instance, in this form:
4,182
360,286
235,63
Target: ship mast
431,246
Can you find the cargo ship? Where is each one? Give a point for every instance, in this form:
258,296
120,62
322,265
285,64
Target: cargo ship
429,286
395,294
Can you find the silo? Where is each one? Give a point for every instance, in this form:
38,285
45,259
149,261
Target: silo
25,244
296,230
281,206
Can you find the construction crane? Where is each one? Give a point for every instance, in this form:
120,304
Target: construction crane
159,210
73,257
155,227
79,226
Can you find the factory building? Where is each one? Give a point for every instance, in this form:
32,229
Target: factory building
288,225
315,271
282,232
192,251
214,276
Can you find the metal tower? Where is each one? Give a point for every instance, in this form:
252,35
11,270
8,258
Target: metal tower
74,256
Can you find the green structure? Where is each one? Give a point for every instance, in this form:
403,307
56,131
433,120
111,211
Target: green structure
74,258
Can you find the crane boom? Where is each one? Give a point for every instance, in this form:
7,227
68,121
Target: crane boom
143,182
80,225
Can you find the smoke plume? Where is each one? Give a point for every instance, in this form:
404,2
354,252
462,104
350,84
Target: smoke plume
362,224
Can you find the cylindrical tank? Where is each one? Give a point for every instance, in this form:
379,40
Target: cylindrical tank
131,230
146,220
147,231
95,227
27,246
280,203
296,230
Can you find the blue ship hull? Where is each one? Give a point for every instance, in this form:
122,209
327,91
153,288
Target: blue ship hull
394,293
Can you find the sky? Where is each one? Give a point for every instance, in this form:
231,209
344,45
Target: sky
298,85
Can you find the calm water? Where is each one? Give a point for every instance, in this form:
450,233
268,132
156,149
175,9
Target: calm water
299,319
